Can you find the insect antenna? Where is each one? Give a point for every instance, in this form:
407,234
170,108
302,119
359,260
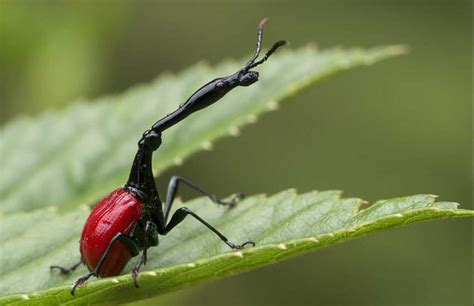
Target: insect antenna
275,46
259,41
251,63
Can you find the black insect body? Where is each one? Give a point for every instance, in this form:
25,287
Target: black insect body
129,219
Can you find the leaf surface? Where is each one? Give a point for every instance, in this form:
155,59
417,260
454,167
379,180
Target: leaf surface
283,226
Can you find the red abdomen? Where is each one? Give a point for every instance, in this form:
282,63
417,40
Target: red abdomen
117,212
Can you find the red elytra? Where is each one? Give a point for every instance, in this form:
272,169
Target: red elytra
117,212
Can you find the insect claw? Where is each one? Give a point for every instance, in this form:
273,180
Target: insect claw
239,246
82,280
62,270
233,200
79,282
248,243
238,196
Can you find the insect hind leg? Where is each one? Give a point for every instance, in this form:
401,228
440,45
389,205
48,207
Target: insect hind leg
66,271
181,213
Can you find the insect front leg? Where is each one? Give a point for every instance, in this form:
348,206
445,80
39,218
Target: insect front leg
181,213
173,189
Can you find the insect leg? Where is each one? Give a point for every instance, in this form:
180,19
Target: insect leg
129,242
66,271
181,213
173,189
150,232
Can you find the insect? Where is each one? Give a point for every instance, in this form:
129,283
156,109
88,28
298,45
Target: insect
129,219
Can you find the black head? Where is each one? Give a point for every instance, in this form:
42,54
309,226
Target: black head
247,78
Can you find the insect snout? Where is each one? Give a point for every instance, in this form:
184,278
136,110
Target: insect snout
248,78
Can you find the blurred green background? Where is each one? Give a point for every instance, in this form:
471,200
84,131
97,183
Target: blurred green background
400,127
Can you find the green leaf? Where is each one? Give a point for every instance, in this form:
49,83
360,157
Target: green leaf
77,155
283,225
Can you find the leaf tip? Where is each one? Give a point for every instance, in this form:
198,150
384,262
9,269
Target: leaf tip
380,53
399,49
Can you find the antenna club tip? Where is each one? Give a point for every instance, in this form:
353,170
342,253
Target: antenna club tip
263,22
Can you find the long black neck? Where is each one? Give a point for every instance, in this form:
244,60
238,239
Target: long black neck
141,180
202,98
141,175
